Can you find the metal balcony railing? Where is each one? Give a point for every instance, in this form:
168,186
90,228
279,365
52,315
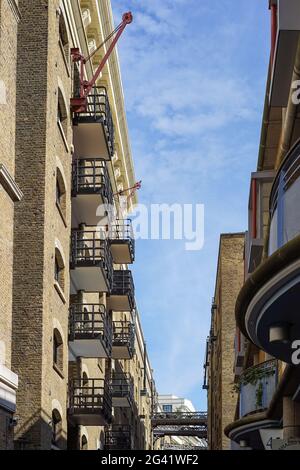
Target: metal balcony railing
98,109
197,431
123,334
90,176
257,387
118,438
179,418
121,231
185,447
122,386
90,321
90,396
123,285
89,249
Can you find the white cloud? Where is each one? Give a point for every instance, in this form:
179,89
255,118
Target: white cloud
194,117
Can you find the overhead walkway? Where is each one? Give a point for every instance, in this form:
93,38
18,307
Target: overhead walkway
179,424
197,418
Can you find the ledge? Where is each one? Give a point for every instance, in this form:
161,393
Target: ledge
279,260
62,133
60,292
247,420
64,58
249,428
15,9
8,377
61,214
9,184
58,371
8,388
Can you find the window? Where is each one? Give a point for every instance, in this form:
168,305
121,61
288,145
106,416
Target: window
56,428
59,269
63,38
167,408
57,350
84,443
56,271
62,115
60,194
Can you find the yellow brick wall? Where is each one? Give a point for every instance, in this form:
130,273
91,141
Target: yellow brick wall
221,397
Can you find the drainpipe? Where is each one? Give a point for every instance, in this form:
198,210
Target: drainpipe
254,207
145,365
273,8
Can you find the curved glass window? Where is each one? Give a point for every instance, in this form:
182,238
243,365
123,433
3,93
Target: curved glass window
285,202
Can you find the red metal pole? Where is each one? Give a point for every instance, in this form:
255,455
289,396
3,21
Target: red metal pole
127,19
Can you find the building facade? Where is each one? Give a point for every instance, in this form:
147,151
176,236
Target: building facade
220,343
10,196
266,357
74,369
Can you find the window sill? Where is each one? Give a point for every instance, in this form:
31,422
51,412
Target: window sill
9,184
54,447
61,214
60,292
64,58
58,371
62,133
15,9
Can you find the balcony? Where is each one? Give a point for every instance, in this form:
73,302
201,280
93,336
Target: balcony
93,130
257,387
288,21
90,402
121,298
122,390
121,239
267,308
91,188
91,262
90,331
123,340
118,438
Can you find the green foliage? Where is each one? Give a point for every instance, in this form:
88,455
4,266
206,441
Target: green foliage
254,376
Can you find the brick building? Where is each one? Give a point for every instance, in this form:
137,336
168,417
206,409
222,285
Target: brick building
74,371
220,354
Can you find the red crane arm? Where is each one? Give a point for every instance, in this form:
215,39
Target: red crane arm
79,104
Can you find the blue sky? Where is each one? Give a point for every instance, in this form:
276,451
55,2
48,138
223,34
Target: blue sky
194,74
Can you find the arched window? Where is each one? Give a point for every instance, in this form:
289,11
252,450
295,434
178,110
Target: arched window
59,269
84,443
63,38
60,193
57,350
62,115
85,380
56,428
